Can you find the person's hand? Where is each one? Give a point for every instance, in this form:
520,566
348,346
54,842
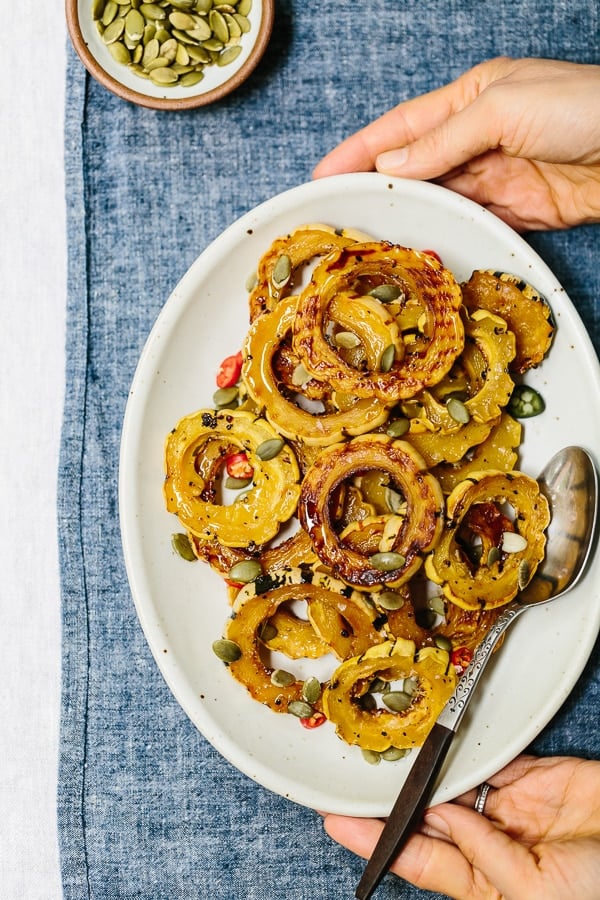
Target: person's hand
521,137
538,840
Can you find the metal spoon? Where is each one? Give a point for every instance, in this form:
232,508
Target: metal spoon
570,483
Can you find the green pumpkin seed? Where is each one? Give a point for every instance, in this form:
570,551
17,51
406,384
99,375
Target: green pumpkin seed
182,21
282,271
119,53
218,26
368,702
300,709
236,484
398,427
181,545
524,574
98,8
397,701
372,757
458,411
110,11
493,556
244,7
443,643
281,678
347,340
151,51
387,561
113,31
134,25
226,651
191,78
224,397
269,449
245,571
311,689
152,11
163,75
268,632
387,358
392,754
390,600
386,293
243,22
410,686
437,605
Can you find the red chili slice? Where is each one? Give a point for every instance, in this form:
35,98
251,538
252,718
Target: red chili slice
434,254
461,657
237,466
229,371
313,721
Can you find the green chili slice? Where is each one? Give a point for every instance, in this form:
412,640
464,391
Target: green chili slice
525,402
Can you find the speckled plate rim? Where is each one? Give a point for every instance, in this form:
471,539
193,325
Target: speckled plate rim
200,97
182,607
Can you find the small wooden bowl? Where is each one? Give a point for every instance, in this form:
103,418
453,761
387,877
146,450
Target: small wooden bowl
218,81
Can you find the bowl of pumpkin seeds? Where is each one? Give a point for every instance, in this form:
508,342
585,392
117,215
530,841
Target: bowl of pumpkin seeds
170,54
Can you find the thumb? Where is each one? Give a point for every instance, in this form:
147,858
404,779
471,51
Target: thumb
461,137
505,864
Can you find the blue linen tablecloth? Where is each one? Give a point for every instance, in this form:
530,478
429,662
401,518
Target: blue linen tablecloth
146,808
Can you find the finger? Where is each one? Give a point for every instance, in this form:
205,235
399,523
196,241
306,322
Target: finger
402,125
430,864
502,862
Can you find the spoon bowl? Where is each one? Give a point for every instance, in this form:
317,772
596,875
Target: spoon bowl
570,484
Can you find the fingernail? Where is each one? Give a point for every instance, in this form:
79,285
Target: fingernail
432,820
392,159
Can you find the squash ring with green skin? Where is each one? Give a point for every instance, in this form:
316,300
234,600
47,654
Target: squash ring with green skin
391,661
271,501
259,602
423,520
497,346
373,264
260,347
490,583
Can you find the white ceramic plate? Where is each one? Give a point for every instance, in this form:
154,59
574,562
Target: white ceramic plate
183,606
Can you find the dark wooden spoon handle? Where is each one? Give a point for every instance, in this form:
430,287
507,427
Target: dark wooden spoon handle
408,808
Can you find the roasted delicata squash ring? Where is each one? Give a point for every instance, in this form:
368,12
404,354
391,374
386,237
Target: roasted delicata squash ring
525,311
433,680
255,607
287,255
422,518
253,519
489,349
483,558
438,447
361,268
497,451
261,344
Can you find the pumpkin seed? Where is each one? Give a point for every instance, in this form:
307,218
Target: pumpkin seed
387,561
398,427
524,574
268,632
347,340
378,685
218,26
390,600
243,22
119,53
437,605
458,411
493,556
282,271
387,358
110,11
410,686
245,571
226,651
251,282
386,293
180,543
512,542
300,709
244,7
372,757
281,678
236,484
394,753
224,397
300,376
113,31
269,449
397,701
443,643
368,702
134,25
311,689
